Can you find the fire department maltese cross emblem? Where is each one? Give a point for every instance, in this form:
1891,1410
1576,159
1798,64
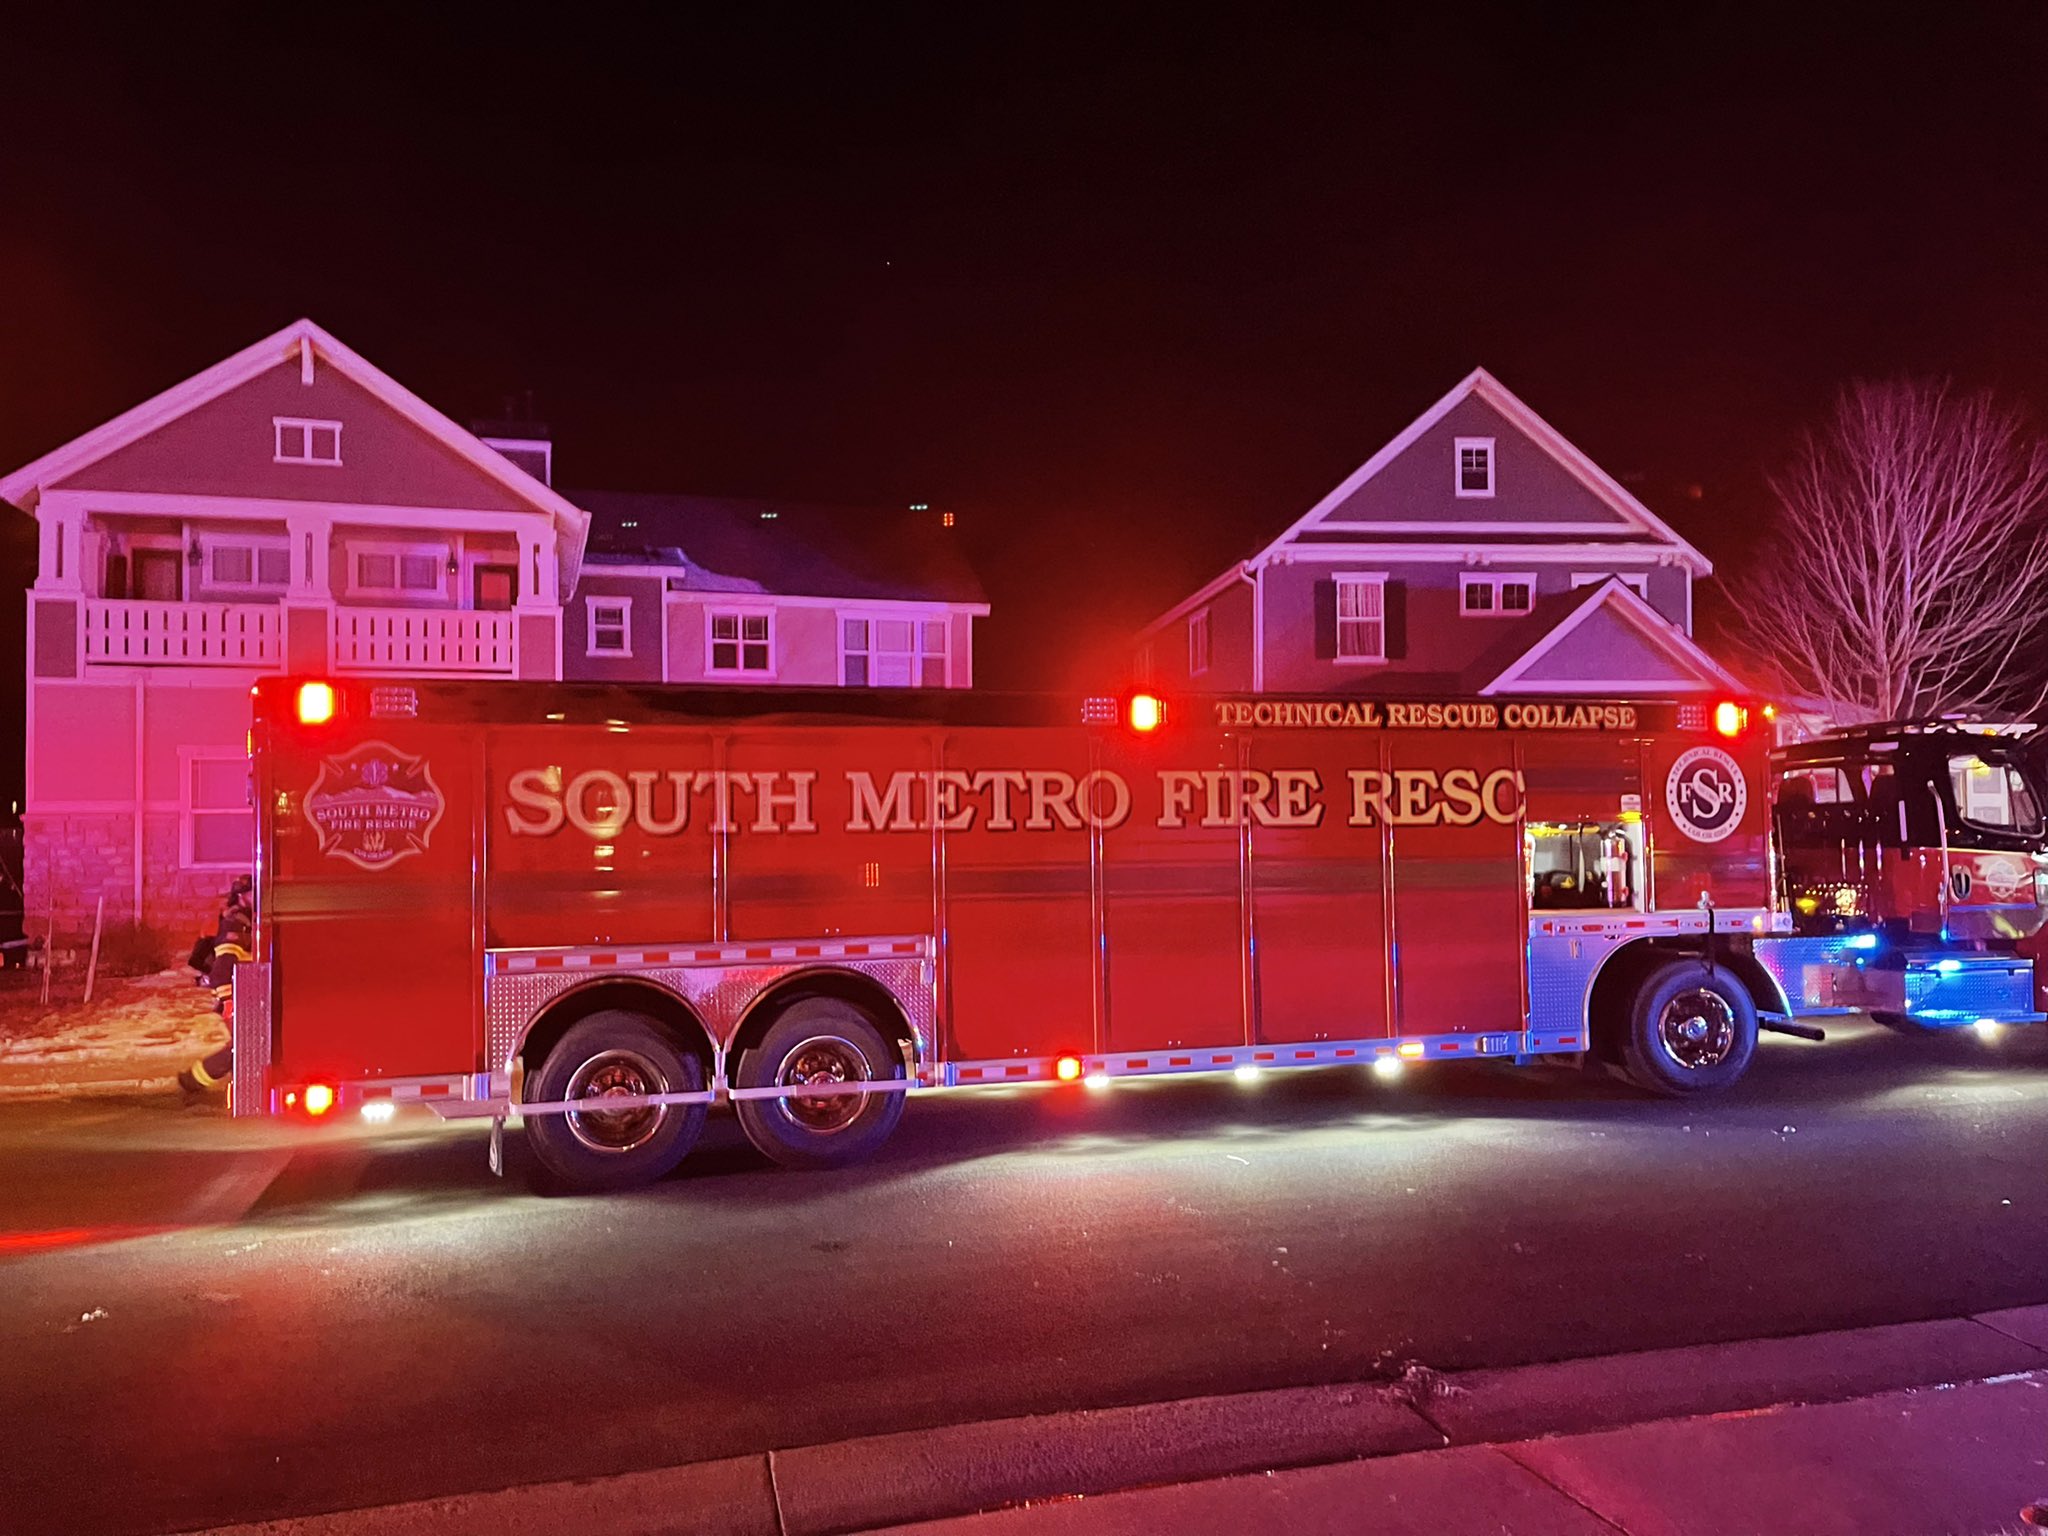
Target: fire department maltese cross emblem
374,805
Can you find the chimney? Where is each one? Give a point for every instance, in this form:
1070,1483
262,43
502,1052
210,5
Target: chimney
521,438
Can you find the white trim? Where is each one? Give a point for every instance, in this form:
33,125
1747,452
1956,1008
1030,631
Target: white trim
188,758
295,342
307,426
1205,593
1199,630
1257,578
742,613
1377,580
1653,626
1395,525
1629,579
591,604
1454,554
1459,446
1483,384
1495,580
779,600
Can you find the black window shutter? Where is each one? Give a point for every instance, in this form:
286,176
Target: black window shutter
1396,601
1326,619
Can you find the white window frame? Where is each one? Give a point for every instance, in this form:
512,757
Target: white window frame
917,618
712,615
1377,581
256,544
398,549
189,759
1467,580
1637,582
1200,654
307,426
624,622
1459,445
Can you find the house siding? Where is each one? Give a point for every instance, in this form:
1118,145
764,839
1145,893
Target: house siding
645,623
1230,646
1529,486
225,447
1606,649
1427,632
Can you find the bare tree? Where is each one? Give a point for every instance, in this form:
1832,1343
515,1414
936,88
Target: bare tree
1909,572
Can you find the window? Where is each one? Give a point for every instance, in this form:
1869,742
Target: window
1474,475
608,626
888,652
1637,582
1992,795
1361,618
306,442
247,563
742,643
1585,865
1510,596
411,571
219,827
1198,643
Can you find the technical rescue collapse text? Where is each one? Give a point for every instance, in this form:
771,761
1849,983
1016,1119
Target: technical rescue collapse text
602,803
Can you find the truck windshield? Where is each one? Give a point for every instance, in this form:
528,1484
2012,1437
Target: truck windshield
1994,795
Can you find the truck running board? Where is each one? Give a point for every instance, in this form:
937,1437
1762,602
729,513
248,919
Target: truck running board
1798,1031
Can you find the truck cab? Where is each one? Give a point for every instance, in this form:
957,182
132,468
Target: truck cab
1915,856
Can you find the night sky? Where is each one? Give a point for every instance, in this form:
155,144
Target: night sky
1128,294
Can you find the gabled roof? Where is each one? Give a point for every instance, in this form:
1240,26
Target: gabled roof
308,344
1556,619
1640,519
792,548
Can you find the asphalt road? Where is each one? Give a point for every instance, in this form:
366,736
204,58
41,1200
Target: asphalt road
203,1321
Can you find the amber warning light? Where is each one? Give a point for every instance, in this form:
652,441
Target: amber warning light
1730,719
316,703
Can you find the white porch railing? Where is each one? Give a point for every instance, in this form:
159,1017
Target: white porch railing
122,632
424,640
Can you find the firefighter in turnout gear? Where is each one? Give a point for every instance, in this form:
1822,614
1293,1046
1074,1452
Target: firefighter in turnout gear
229,947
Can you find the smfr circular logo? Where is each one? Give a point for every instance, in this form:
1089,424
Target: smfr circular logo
1706,794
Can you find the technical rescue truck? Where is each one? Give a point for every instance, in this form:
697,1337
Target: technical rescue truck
604,910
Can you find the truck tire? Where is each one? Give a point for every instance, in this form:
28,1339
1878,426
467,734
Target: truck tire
1691,1030
821,1039
619,1054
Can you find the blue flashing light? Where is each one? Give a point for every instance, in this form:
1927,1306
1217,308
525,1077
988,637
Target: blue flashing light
1863,941
1948,967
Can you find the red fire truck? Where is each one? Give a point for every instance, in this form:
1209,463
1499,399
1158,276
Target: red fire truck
1915,869
604,910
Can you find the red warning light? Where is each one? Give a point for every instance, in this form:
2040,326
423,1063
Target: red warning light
1067,1068
316,703
319,1098
1730,719
1147,712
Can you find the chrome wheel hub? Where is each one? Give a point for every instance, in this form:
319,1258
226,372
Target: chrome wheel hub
823,1059
616,1075
1697,1029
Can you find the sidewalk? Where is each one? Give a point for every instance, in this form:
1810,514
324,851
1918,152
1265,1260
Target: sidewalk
1961,1459
135,1035
1915,1429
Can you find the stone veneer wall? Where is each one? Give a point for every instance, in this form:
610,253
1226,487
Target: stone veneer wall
73,858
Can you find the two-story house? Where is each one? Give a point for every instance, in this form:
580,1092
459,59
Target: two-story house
1478,552
292,507
295,508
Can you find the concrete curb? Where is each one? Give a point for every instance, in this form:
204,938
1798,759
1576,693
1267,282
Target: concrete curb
918,1475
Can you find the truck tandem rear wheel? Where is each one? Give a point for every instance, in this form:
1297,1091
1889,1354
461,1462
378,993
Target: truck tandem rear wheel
1691,1029
820,1040
614,1054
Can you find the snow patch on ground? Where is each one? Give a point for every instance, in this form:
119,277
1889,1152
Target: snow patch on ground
138,1028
